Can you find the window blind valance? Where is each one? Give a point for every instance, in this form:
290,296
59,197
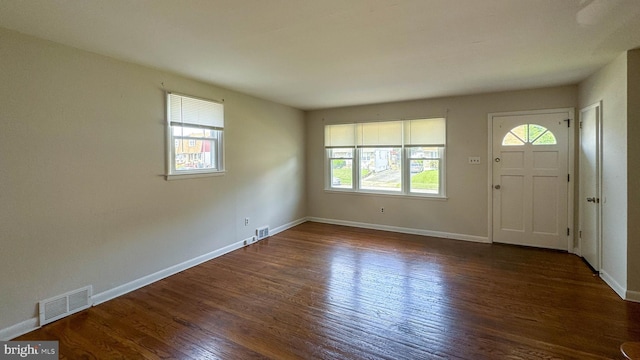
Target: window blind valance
425,132
185,110
388,133
343,135
419,132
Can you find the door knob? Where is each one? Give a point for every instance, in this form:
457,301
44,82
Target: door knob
591,199
497,187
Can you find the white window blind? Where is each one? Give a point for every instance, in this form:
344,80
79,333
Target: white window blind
185,110
343,135
419,132
388,133
425,132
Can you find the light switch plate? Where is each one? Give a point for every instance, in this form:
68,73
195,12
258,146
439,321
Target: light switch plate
474,160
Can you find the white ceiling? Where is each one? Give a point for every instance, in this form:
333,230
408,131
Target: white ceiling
314,54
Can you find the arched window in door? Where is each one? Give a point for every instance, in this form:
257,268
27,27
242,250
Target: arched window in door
529,133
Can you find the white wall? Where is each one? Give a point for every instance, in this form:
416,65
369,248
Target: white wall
464,213
610,85
82,154
633,176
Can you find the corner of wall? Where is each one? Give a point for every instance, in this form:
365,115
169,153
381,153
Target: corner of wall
633,172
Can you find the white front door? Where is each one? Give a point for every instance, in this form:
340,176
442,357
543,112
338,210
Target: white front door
589,198
530,178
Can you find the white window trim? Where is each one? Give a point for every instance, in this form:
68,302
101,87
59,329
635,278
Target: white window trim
441,180
395,196
172,177
171,173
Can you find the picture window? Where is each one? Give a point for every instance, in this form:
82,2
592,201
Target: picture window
393,157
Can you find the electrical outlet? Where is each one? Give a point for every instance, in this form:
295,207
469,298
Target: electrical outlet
474,160
246,221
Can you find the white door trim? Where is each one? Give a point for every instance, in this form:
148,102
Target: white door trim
578,251
571,243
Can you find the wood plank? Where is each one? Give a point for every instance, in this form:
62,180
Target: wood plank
334,292
631,350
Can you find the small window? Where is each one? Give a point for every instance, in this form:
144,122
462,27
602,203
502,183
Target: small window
425,164
195,131
529,134
341,168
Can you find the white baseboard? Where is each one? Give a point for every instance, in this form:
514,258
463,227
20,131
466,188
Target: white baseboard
633,296
439,234
149,279
33,324
624,294
19,329
287,226
613,284
159,275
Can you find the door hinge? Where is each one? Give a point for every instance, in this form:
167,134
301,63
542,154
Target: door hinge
580,124
580,234
568,177
568,122
568,232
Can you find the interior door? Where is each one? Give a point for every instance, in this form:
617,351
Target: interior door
589,193
530,179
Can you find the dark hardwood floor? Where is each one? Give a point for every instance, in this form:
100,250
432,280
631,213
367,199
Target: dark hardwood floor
321,291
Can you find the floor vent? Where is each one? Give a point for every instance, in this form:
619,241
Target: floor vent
262,232
64,305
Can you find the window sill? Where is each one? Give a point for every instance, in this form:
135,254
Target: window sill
172,177
396,196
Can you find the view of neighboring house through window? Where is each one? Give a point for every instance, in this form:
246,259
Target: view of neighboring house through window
394,157
196,130
380,168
